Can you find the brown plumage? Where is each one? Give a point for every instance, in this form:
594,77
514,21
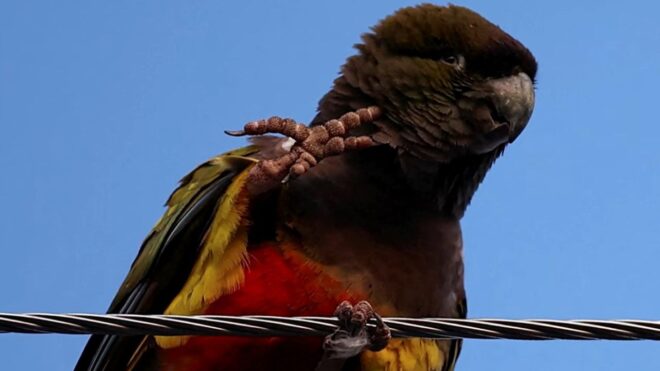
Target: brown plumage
431,69
377,223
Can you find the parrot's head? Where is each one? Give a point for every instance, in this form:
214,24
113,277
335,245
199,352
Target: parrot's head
451,83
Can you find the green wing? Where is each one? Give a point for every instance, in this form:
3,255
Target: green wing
166,256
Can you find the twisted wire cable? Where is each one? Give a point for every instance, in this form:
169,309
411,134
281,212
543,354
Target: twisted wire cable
438,328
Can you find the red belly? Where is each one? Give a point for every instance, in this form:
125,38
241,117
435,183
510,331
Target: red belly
276,283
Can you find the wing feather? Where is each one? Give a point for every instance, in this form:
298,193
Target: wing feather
204,218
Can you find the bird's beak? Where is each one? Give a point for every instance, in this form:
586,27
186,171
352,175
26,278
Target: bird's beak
513,99
499,109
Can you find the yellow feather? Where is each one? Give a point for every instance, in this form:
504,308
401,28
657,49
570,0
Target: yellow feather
407,354
219,268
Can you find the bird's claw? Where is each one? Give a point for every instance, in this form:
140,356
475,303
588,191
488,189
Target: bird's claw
312,144
353,335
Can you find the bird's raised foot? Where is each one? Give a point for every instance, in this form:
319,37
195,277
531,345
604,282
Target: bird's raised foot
311,144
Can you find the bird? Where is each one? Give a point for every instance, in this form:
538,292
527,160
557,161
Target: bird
356,214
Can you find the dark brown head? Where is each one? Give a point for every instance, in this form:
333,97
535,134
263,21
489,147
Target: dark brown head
450,82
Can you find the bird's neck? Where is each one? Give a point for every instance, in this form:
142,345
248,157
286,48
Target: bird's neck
445,187
342,98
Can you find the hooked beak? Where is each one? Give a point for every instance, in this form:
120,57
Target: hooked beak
506,106
513,99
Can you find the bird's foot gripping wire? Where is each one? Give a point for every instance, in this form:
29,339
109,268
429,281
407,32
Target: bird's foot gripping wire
311,144
353,335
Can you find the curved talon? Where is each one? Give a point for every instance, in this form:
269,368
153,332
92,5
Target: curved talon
380,336
235,133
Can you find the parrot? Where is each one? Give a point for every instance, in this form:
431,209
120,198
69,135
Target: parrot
356,214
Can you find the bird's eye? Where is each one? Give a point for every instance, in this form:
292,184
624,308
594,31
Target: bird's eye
454,60
450,59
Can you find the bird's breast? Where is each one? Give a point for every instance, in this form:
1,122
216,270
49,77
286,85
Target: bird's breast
279,281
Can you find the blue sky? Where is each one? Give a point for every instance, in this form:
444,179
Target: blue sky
105,105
